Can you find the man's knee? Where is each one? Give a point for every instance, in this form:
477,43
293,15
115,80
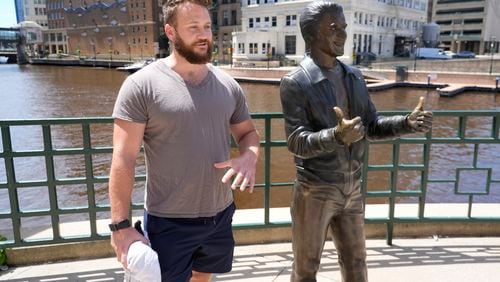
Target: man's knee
200,276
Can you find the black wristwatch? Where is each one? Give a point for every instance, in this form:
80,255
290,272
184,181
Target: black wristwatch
120,225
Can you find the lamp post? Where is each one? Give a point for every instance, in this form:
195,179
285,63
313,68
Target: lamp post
110,50
129,53
268,53
93,49
415,55
492,45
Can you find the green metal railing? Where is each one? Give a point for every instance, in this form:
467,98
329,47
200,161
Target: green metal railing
451,128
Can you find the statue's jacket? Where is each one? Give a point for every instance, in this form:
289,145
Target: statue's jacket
307,99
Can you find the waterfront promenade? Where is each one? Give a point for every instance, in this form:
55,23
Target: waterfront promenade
422,259
407,260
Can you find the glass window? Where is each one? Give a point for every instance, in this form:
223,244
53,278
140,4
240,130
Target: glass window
290,45
291,20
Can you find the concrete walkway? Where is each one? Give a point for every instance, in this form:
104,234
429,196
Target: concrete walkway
408,260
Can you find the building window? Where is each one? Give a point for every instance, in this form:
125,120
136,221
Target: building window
233,17
253,48
241,48
257,22
225,18
273,21
290,45
250,22
264,48
214,18
291,20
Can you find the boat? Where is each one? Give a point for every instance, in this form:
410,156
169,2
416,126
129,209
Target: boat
131,68
4,59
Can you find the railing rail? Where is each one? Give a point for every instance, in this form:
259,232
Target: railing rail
477,131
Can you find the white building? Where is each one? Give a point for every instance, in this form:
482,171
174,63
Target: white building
384,27
35,11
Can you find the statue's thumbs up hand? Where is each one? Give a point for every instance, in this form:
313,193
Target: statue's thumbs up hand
420,120
348,131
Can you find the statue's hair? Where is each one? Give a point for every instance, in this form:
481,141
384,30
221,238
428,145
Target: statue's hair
312,16
170,8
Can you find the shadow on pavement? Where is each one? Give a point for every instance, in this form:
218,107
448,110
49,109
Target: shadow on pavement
268,266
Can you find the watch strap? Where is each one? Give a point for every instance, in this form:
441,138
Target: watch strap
120,225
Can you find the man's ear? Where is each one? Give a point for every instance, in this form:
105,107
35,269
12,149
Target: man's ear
169,31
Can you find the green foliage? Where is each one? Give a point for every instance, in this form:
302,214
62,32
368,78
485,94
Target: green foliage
3,254
3,257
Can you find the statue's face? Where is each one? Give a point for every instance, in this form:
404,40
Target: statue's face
331,36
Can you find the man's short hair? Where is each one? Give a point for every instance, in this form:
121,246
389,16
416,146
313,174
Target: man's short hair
170,8
312,16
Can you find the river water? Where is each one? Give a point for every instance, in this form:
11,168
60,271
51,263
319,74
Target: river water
29,92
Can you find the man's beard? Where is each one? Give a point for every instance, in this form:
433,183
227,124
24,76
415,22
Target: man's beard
188,53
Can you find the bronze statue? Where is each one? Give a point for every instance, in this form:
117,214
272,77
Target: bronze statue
329,117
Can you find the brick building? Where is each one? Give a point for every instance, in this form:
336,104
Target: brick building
119,28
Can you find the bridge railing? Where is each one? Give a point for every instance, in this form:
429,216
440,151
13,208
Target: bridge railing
403,179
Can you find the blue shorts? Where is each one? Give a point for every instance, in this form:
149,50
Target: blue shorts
203,244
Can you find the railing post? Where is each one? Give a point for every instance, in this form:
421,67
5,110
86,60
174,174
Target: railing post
267,169
51,180
89,178
11,182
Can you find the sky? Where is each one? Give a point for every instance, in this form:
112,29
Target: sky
7,13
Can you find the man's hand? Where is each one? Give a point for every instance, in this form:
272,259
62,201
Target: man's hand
243,168
348,131
420,120
121,241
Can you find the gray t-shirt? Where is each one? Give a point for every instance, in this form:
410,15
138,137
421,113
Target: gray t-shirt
187,131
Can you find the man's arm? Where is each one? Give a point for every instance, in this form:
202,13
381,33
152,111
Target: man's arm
243,166
127,139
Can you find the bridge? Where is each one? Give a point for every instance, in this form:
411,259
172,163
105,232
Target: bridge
9,39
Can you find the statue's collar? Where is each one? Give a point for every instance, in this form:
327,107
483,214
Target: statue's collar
314,71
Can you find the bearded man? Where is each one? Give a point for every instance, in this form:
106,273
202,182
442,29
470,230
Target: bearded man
184,111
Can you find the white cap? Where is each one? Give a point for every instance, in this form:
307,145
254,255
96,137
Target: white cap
143,263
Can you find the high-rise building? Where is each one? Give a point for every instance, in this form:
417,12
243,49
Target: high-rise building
226,18
468,25
19,10
31,10
55,38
